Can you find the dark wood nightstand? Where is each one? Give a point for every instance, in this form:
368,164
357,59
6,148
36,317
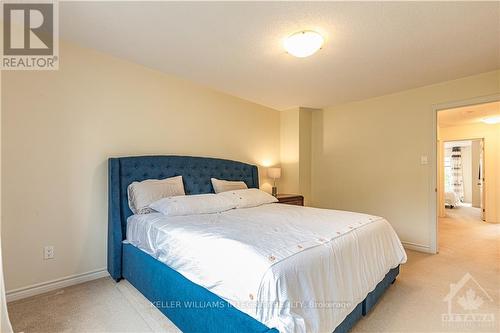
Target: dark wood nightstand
291,199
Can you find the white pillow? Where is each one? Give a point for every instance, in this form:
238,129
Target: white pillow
227,185
142,194
193,204
248,198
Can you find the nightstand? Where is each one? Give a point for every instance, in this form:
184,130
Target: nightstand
291,199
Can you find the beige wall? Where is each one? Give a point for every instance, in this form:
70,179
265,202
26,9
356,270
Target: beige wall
366,154
290,151
59,128
305,145
491,135
296,126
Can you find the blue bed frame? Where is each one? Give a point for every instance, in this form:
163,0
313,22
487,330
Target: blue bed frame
190,306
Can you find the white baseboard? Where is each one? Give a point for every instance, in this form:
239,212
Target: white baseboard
40,288
417,247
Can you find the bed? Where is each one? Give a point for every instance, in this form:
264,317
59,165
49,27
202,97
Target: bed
451,199
215,304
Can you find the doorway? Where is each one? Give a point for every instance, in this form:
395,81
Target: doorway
463,178
466,167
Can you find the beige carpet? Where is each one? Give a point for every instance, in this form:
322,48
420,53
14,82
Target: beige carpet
413,304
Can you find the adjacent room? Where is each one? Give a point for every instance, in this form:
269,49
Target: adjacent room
238,166
463,171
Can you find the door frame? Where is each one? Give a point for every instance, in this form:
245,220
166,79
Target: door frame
433,189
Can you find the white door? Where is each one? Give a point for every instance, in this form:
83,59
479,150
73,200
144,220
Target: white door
481,180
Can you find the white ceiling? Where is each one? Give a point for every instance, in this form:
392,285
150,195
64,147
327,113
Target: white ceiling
371,48
468,114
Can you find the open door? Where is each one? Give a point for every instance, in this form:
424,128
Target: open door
481,180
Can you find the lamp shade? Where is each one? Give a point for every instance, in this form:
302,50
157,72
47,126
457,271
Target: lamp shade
274,173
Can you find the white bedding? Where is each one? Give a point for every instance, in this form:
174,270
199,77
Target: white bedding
451,199
297,269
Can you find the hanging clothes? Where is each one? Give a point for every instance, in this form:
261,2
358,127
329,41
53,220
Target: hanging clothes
457,173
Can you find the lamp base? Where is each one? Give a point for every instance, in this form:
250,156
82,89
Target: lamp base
274,191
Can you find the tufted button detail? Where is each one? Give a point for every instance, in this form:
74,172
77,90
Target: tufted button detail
196,171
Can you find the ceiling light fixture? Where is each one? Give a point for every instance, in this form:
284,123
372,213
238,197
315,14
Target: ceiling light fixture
491,120
303,43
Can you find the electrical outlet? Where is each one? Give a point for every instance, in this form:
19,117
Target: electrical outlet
48,252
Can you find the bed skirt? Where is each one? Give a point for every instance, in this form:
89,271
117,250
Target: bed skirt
192,308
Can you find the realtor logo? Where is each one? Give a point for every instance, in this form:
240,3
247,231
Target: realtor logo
30,39
465,299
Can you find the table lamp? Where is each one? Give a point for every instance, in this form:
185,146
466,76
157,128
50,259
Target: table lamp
274,173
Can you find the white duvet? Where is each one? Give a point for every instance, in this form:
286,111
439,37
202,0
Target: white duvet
297,269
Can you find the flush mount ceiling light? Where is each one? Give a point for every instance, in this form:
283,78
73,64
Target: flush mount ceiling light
491,120
303,43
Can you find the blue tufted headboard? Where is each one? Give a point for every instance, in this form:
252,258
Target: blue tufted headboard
196,173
